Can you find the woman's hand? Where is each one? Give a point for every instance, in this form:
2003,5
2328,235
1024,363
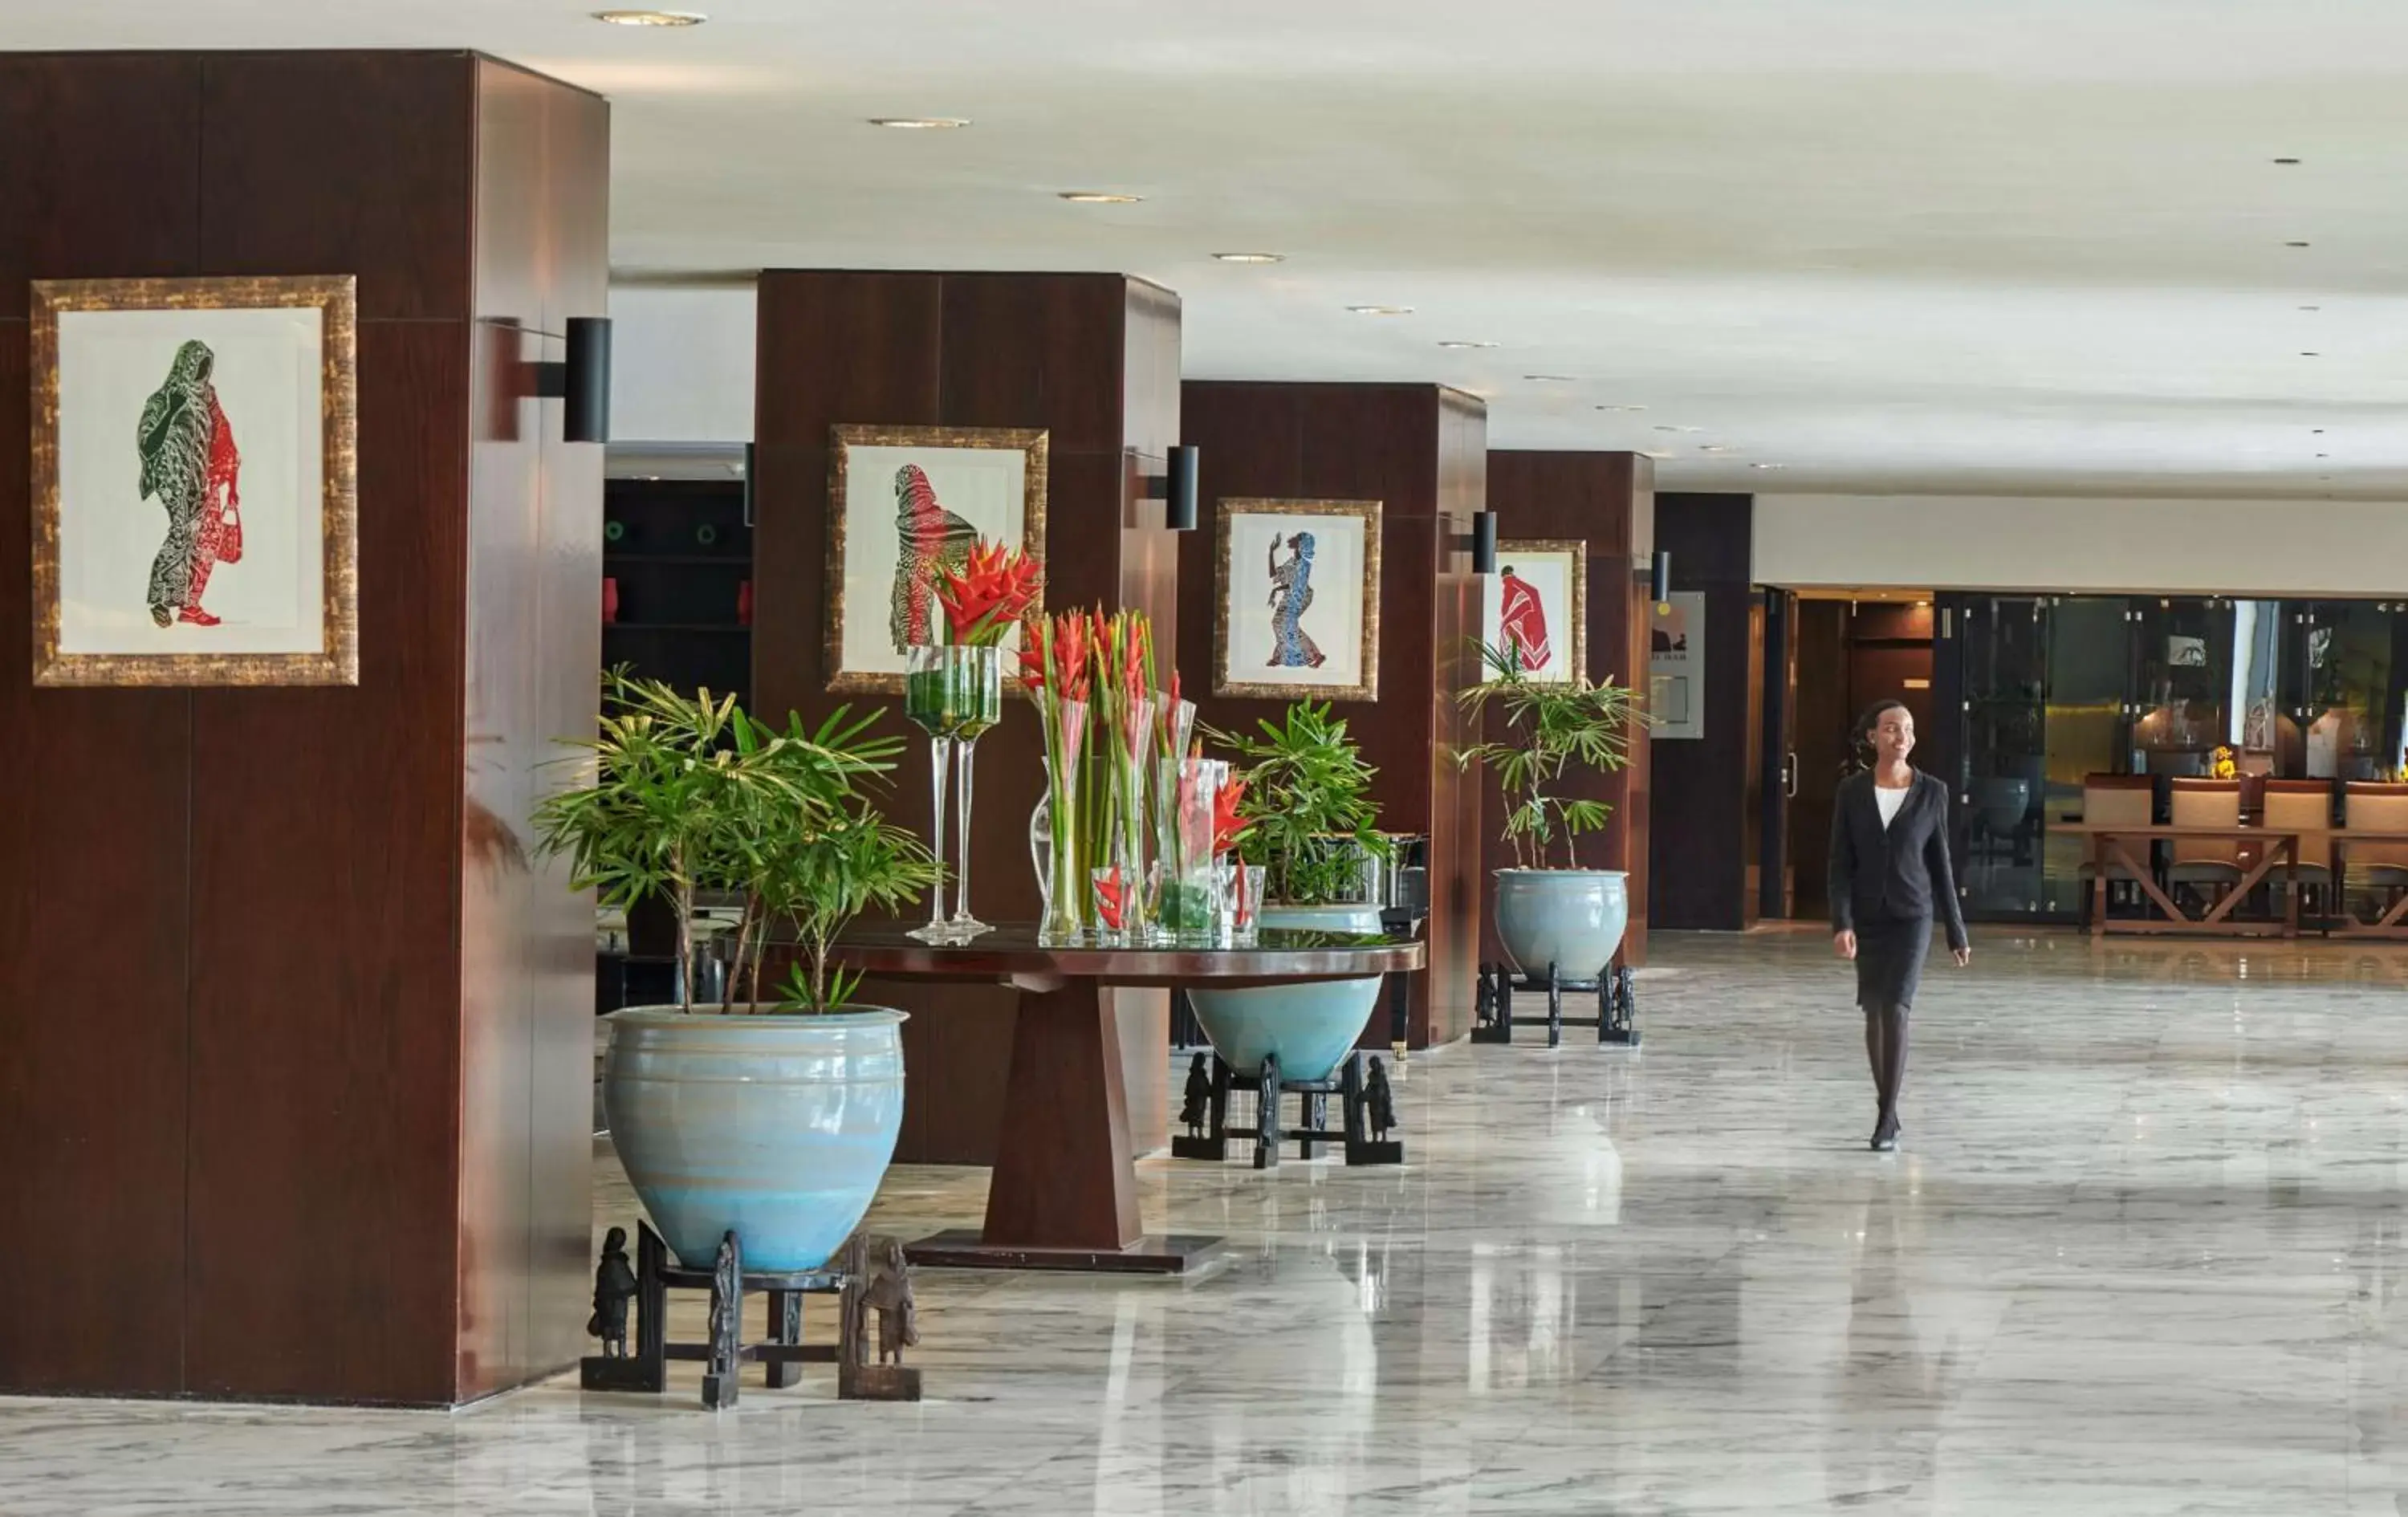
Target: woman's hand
1964,955
1844,944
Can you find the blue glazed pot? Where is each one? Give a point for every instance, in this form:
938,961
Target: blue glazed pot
1572,918
1310,1026
778,1126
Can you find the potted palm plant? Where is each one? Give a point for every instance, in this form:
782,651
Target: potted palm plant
1548,913
1307,823
775,1120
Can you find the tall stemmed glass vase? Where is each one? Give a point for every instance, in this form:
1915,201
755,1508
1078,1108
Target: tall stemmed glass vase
953,694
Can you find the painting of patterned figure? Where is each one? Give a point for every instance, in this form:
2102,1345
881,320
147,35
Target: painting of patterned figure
1298,588
1536,607
195,463
903,503
192,467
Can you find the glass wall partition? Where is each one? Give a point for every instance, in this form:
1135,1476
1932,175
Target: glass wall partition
2058,688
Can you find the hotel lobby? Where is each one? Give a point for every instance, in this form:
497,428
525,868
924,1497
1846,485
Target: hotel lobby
1100,757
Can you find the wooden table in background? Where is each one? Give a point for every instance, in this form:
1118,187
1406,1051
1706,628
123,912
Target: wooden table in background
1064,1195
2278,848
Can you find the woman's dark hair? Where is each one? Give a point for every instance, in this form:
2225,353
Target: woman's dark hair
1861,740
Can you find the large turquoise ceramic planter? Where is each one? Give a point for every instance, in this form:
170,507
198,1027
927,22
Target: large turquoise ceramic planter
778,1126
1572,918
1309,1028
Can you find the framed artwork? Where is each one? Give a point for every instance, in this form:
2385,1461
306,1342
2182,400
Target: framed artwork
195,481
1297,599
903,501
1536,603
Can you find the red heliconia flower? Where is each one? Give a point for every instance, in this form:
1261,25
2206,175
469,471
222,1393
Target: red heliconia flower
983,598
1111,898
1227,826
1071,648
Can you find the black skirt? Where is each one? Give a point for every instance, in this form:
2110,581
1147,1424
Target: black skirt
1889,961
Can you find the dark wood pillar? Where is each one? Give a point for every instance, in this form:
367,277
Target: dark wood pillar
1706,790
296,1037
1421,450
1094,360
1601,499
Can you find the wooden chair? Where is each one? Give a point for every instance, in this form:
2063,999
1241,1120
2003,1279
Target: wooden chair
2305,807
2368,806
2114,801
2212,865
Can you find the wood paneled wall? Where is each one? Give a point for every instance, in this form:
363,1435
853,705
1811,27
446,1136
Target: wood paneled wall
1422,452
1597,498
1094,360
295,1038
1705,814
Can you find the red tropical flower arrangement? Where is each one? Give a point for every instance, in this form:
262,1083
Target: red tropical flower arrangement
988,596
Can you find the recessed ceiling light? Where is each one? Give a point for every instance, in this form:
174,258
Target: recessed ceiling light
1712,448
2286,161
1381,311
921,123
1461,345
1551,378
1622,408
1100,198
1661,426
650,18
2311,308
1768,466
1252,258
2318,430
2324,455
2309,355
2295,245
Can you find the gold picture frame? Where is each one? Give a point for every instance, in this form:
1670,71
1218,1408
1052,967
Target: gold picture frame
1573,553
335,660
845,670
1363,624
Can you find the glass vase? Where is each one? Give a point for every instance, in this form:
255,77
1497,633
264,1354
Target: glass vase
925,672
1062,870
1185,790
974,683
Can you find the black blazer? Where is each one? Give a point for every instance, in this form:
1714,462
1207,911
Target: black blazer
1899,873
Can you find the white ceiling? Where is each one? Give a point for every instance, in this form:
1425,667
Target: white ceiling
1993,246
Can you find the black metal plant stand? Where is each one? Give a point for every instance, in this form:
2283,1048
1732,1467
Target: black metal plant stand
1617,1005
725,1354
1366,1112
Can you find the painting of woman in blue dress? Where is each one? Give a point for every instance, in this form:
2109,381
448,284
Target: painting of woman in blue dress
1292,648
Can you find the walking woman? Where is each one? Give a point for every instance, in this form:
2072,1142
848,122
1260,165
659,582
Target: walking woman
1891,877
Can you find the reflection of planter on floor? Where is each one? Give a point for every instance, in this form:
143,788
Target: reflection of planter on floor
1307,1027
777,1127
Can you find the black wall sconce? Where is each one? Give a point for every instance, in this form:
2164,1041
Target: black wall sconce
1659,581
1175,487
1483,542
582,383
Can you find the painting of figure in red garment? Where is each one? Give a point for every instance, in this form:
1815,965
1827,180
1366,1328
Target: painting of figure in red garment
195,481
1535,609
192,467
903,504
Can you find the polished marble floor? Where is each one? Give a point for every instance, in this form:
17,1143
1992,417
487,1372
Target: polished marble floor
2143,1254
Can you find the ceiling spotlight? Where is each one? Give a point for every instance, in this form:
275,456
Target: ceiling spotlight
2324,455
2318,430
2311,308
1462,345
1551,378
650,18
1712,448
921,123
1381,311
2295,245
1768,466
1252,258
2286,162
2310,355
1622,408
1099,197
1664,427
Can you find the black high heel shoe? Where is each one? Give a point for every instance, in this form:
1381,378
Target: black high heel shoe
1885,1135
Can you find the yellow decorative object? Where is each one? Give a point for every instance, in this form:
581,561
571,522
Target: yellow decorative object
2221,764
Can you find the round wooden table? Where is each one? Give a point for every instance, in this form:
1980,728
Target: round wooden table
1064,1195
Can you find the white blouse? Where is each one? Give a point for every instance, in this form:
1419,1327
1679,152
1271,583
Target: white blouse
1890,801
